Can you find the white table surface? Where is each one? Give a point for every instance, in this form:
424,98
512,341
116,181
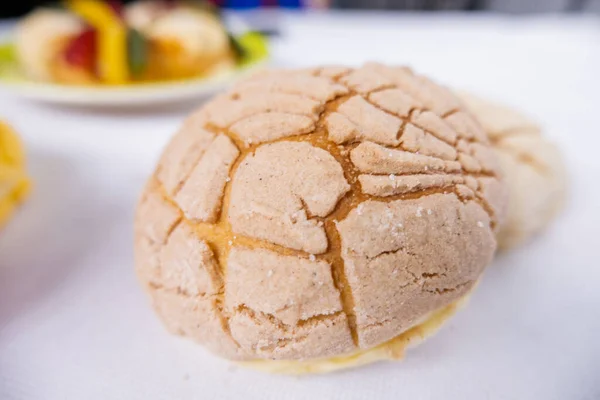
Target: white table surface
74,324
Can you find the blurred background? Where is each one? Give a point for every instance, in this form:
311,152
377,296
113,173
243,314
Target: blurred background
17,8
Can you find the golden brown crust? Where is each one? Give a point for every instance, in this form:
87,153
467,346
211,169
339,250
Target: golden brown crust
343,220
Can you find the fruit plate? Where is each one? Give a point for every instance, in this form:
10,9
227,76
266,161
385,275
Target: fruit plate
13,80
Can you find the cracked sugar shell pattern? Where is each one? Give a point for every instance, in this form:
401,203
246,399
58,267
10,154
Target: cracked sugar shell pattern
313,213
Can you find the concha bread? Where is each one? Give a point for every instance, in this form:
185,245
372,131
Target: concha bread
533,168
309,215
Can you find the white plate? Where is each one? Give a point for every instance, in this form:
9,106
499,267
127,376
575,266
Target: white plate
130,95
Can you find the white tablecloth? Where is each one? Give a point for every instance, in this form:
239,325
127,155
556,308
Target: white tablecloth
74,324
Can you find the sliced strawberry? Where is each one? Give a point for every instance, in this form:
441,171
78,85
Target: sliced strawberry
81,51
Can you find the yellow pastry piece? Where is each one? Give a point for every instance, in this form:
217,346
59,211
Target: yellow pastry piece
14,187
14,182
11,149
112,38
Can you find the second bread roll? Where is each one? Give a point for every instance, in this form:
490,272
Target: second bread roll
533,168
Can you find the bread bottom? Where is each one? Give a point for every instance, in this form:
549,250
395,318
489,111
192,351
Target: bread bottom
393,349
